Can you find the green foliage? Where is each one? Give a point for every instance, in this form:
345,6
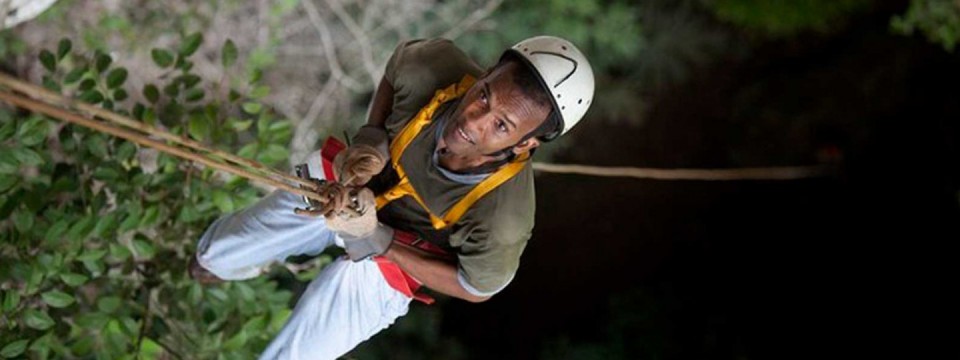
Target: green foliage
611,28
779,19
98,231
938,20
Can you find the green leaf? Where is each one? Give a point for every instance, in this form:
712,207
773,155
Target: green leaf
120,95
189,80
50,263
138,111
87,84
184,65
11,300
249,150
97,146
74,280
27,156
55,232
74,75
108,304
48,60
255,76
252,107
7,182
23,220
9,165
57,299
238,125
195,94
106,174
63,48
199,127
92,255
274,153
229,53
92,320
92,97
237,341
149,349
50,84
81,228
14,349
102,62
37,319
143,249
191,44
82,346
172,89
161,57
150,216
131,222
223,200
151,93
260,91
106,224
33,131
116,77
8,128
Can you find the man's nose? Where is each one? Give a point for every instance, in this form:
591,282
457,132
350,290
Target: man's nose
478,125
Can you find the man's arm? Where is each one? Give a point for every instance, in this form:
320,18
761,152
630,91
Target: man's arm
434,273
382,104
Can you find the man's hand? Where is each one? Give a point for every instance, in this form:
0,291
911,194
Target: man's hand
357,164
338,198
365,158
363,236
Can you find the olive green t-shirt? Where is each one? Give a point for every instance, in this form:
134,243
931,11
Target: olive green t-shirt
490,237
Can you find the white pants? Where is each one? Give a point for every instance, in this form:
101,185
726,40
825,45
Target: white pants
345,305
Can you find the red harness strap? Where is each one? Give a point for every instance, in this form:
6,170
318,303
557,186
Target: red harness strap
395,276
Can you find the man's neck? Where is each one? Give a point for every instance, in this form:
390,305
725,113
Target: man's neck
461,164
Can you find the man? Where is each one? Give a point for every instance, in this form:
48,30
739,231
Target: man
452,212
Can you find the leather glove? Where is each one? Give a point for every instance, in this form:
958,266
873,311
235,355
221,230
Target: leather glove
364,159
363,236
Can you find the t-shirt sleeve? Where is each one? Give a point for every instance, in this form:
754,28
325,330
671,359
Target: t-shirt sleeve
490,253
417,69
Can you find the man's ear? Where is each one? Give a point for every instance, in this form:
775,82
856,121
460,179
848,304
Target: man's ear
526,145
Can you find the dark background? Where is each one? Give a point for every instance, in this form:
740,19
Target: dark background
859,263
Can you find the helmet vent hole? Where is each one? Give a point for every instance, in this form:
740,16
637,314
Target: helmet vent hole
525,49
563,108
558,96
564,47
580,101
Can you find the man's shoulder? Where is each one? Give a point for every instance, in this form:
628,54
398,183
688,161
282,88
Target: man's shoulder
431,63
417,69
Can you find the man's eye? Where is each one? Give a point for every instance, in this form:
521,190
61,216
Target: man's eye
483,97
502,125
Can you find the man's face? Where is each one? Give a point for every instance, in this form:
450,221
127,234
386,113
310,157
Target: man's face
494,114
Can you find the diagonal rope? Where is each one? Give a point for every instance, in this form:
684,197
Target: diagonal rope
266,176
757,173
54,98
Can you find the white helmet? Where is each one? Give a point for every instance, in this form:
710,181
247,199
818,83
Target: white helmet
563,71
17,11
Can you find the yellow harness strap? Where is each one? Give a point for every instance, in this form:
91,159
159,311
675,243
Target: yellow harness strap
406,136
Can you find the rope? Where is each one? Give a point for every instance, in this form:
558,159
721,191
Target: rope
270,178
276,179
759,173
51,97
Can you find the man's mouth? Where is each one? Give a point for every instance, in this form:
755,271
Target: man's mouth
463,134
